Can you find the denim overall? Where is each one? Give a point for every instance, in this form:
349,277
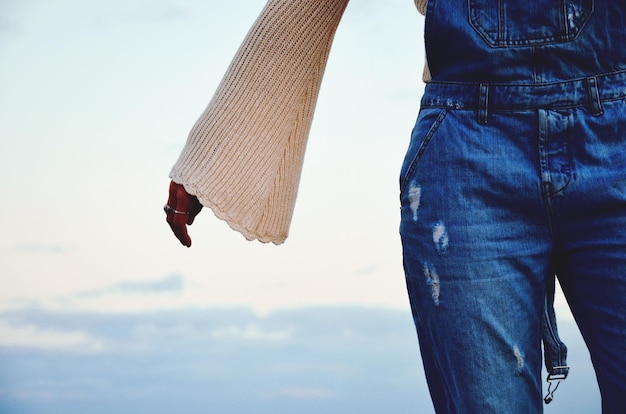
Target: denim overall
515,173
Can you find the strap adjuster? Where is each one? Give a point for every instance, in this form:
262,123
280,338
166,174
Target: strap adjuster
556,374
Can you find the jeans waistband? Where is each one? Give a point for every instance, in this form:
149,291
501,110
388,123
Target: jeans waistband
486,97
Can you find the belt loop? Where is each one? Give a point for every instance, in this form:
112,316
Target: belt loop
483,103
594,96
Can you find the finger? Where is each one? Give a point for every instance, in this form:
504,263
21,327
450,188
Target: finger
178,224
178,200
182,199
185,202
173,195
194,210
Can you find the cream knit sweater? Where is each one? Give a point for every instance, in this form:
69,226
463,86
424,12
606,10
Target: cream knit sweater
243,157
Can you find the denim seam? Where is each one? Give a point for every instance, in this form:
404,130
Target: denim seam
499,41
420,151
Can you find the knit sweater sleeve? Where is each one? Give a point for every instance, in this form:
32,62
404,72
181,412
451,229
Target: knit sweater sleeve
421,5
243,157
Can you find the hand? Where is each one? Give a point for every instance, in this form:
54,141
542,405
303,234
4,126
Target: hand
181,210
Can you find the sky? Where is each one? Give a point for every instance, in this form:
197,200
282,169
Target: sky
101,309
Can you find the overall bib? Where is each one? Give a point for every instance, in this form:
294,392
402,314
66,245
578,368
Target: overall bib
515,173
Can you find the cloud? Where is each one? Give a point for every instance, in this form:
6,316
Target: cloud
131,296
228,359
170,284
35,337
305,360
250,332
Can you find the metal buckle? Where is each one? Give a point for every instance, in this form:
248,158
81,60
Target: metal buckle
556,374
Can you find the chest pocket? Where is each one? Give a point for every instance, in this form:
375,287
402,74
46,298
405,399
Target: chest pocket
503,23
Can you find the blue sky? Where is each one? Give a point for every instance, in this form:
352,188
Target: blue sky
100,308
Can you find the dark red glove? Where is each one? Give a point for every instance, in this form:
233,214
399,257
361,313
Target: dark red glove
181,210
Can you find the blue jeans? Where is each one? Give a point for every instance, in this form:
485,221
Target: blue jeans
515,174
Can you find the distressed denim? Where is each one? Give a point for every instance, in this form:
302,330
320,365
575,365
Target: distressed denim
515,173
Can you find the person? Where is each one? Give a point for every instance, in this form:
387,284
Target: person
515,172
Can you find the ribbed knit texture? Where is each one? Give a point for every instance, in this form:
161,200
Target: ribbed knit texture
421,6
243,157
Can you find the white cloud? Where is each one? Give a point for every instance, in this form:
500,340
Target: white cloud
34,337
126,296
170,284
303,360
250,332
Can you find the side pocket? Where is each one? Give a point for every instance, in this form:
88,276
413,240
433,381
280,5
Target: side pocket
425,128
